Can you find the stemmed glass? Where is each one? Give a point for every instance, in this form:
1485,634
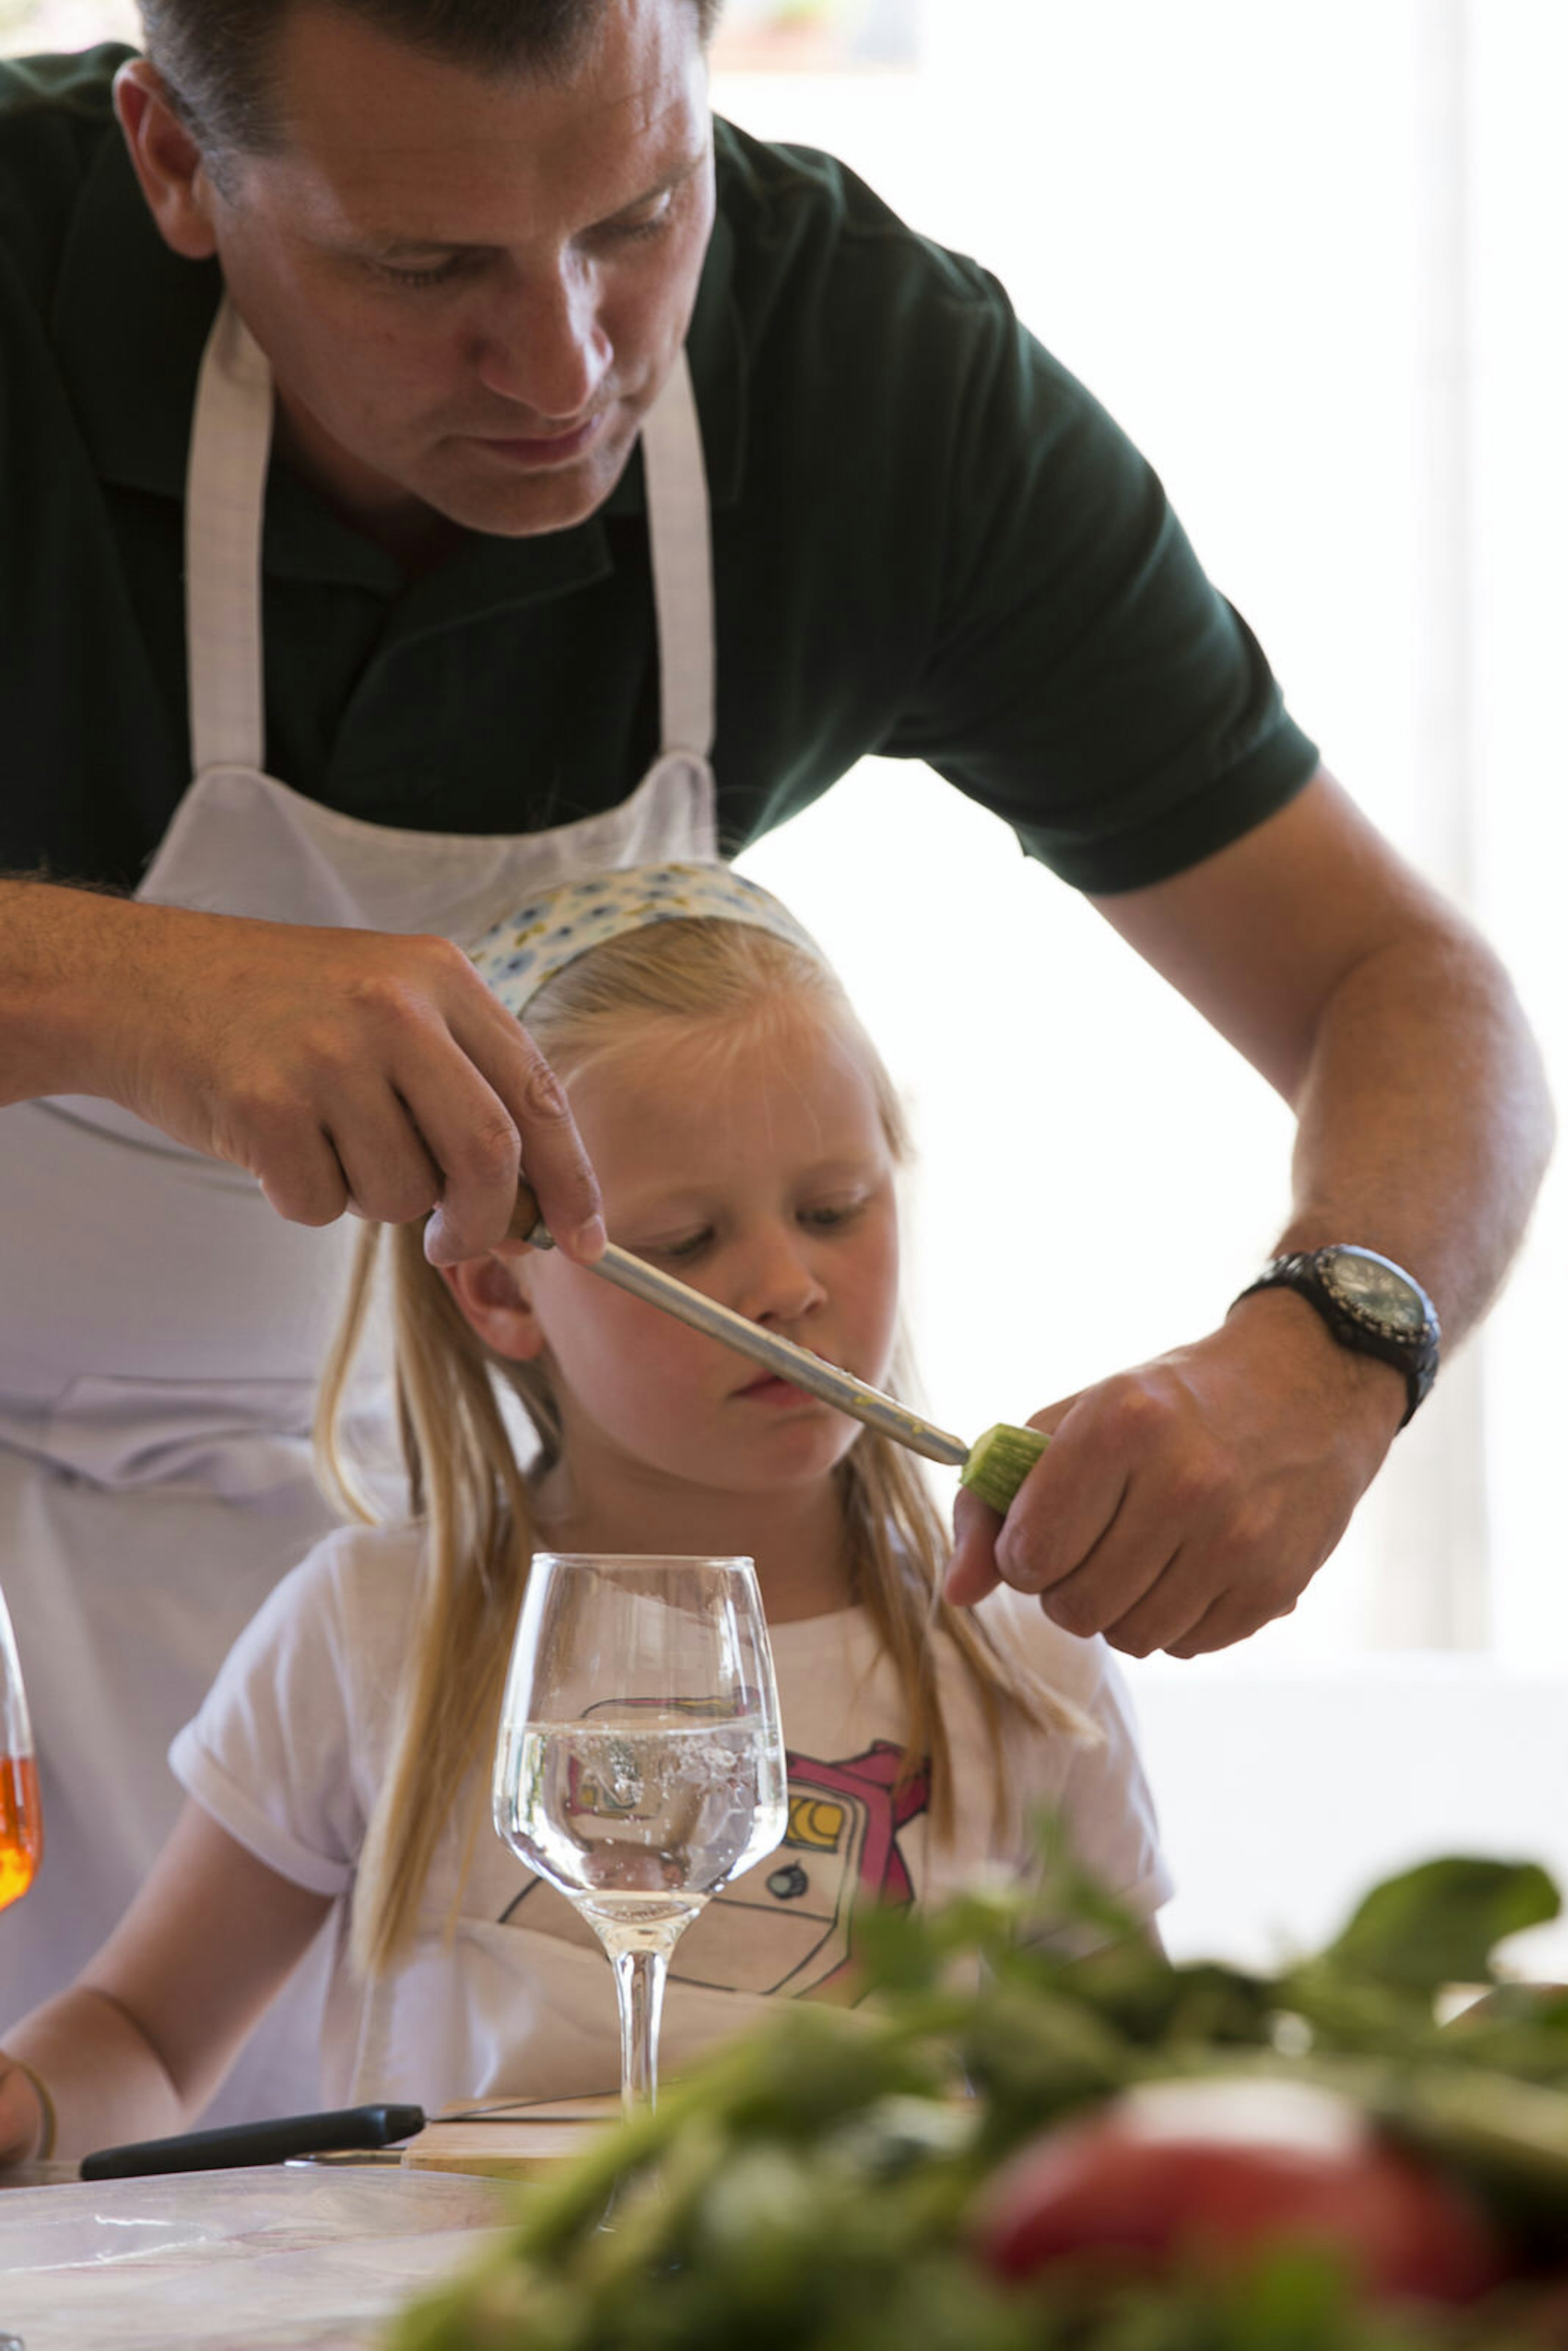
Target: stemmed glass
21,1820
640,1764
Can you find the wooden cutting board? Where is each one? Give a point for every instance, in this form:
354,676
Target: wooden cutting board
511,2141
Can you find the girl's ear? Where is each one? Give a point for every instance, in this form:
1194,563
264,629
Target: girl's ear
493,1295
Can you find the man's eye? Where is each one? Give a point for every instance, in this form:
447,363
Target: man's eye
628,232
441,274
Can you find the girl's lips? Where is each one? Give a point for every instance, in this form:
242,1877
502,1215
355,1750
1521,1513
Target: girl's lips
771,1390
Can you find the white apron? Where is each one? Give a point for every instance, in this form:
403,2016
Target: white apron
161,1328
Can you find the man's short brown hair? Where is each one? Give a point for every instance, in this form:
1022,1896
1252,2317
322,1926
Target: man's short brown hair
217,57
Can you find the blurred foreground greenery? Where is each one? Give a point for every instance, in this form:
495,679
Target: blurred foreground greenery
809,2188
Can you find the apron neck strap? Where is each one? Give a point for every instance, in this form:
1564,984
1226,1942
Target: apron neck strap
680,542
225,492
225,495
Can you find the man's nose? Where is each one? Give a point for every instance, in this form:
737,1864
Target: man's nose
542,346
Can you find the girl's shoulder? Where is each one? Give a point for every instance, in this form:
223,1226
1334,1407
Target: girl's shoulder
368,1567
356,1587
1093,1783
1075,1668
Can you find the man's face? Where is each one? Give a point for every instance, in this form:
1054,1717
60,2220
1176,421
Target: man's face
471,291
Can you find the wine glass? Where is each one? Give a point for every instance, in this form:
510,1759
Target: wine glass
21,1820
640,1764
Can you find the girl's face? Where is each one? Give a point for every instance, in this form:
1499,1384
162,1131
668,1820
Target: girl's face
748,1158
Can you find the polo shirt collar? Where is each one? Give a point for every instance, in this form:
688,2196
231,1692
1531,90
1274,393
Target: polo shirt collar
132,319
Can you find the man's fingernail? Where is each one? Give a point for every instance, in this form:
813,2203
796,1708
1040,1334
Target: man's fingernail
591,1237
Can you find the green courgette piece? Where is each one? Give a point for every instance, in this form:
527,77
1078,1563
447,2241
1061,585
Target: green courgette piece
999,1461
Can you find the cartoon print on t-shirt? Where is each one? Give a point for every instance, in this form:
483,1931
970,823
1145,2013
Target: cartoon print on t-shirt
788,1926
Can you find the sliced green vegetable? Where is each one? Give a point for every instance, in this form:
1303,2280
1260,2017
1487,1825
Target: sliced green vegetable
999,1461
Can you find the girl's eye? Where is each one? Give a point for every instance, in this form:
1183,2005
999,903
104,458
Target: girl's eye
689,1246
827,1217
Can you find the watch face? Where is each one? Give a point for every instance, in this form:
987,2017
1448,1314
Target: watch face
1374,1289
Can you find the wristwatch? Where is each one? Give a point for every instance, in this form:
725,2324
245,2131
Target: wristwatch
1369,1303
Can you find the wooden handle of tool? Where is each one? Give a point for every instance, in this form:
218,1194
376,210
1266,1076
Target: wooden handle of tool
525,1224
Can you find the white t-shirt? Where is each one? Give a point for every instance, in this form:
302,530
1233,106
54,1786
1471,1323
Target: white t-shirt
505,1992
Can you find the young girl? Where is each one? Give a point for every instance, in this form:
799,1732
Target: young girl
746,1136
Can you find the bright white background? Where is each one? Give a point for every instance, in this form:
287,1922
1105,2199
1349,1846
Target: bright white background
1306,255
1312,258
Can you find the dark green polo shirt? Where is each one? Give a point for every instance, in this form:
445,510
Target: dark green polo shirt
929,542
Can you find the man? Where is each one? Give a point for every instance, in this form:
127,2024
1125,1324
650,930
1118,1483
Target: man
477,259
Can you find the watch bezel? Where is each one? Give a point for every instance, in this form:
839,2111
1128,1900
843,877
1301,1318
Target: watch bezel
1329,1263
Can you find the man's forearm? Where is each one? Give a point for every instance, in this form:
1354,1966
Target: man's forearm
65,953
1424,1124
1388,1024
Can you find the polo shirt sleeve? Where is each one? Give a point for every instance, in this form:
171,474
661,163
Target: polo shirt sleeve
44,105
1084,679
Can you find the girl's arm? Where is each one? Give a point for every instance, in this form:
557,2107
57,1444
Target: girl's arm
137,2045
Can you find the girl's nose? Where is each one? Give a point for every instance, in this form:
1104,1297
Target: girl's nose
780,1284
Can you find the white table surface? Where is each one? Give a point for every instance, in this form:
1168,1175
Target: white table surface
315,2257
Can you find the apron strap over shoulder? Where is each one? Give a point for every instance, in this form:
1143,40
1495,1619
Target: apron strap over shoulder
682,550
226,490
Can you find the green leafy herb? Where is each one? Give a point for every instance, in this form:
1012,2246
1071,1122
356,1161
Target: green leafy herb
809,2188
1440,1924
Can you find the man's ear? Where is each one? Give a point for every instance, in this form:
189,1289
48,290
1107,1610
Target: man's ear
167,161
493,1296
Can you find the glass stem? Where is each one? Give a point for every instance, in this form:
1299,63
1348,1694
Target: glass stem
640,1995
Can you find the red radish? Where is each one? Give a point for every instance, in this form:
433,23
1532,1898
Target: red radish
1209,2172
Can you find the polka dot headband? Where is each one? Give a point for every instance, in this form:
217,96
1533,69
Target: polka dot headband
518,954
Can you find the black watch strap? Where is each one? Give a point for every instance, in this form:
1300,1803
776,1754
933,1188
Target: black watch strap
1412,1350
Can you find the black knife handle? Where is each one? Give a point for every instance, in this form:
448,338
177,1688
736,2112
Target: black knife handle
266,2142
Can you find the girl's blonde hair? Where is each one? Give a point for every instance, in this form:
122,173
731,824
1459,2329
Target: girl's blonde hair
465,1481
